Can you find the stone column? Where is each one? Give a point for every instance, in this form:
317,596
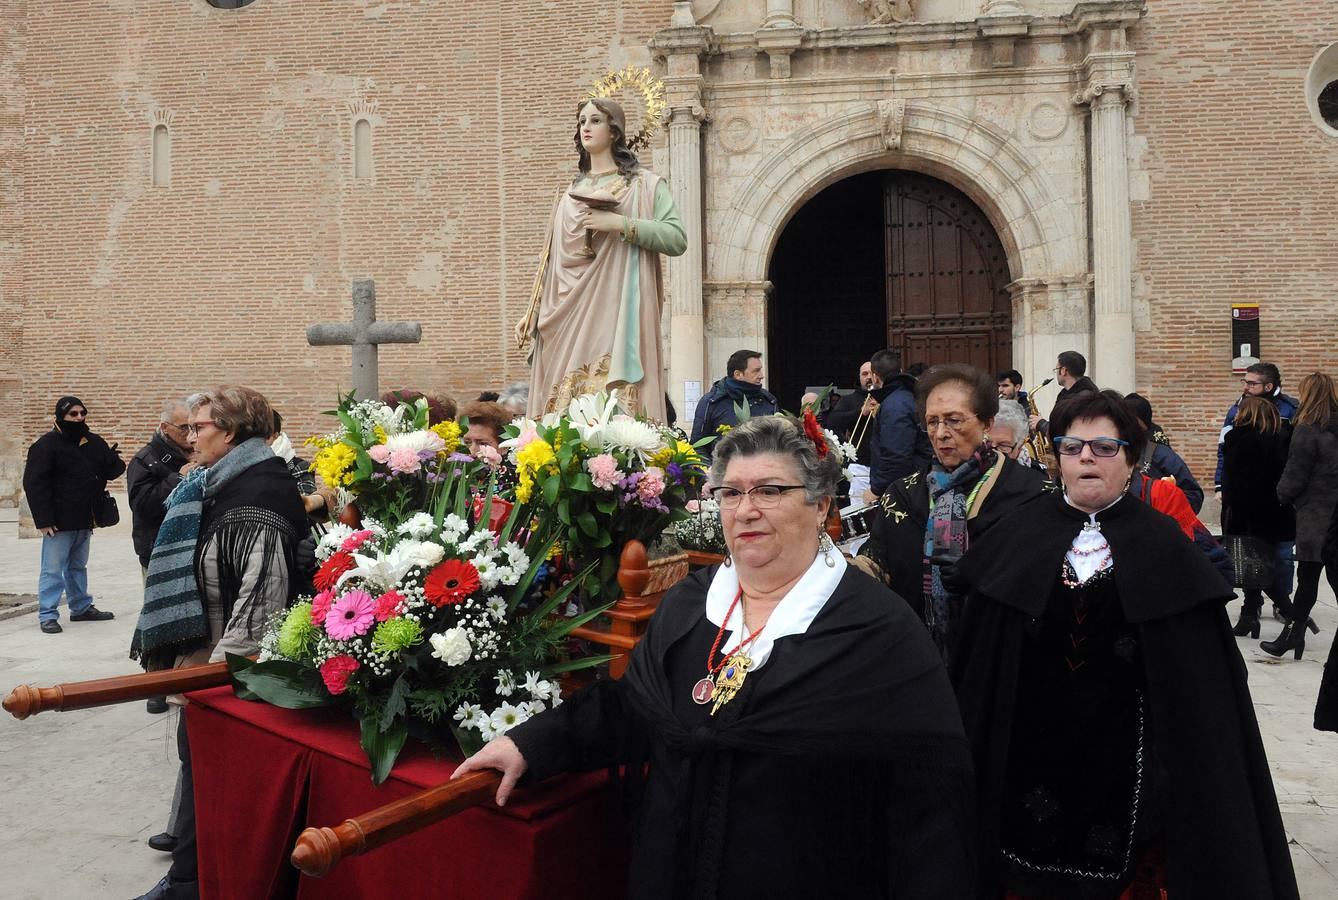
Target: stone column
682,48
780,14
1112,241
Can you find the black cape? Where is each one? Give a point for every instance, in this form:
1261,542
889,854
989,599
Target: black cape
897,527
1223,832
839,770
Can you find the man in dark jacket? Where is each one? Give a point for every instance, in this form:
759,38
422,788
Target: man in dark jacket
1158,459
1261,380
1070,369
64,478
153,472
899,445
742,385
851,419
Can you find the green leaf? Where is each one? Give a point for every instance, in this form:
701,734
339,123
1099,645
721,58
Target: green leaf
240,664
564,511
382,747
575,665
551,486
287,684
394,703
581,482
566,626
588,524
487,502
364,465
561,594
469,739
602,540
607,505
523,586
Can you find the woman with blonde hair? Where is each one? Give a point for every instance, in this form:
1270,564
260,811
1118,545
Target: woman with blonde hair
1253,454
1310,484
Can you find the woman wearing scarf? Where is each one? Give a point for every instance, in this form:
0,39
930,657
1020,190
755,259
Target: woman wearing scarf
221,567
1117,753
800,732
927,521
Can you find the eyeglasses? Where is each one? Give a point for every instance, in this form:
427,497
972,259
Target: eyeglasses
1248,383
183,427
1105,447
1005,446
954,423
764,496
194,428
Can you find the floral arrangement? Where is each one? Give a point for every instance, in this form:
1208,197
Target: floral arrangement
387,457
607,477
426,621
702,529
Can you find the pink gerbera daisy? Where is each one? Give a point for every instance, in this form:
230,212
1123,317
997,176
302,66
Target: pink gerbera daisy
350,615
320,606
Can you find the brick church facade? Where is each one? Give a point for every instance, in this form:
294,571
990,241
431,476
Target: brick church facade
184,188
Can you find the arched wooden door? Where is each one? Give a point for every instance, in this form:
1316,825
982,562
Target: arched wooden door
885,259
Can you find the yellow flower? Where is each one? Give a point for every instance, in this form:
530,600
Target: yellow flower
724,429
448,431
380,434
335,464
688,452
662,458
535,456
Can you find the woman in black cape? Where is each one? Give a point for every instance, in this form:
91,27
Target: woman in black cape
837,770
926,521
1116,747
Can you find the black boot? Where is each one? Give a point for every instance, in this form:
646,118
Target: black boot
1248,623
1292,638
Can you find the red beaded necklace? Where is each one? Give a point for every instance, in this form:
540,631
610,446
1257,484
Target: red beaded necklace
705,689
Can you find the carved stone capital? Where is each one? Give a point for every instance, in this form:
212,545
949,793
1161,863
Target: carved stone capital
1100,94
892,114
694,114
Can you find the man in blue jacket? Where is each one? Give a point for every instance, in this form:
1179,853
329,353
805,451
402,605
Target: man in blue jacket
899,445
741,385
1261,380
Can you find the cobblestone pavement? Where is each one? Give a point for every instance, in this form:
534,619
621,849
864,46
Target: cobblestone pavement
83,791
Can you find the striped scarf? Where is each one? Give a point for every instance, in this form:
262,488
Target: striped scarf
172,619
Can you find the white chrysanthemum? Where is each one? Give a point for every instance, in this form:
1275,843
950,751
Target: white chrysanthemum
489,574
497,608
506,682
424,553
484,724
468,714
331,540
417,526
451,647
532,707
508,716
626,433
417,441
477,540
516,558
453,528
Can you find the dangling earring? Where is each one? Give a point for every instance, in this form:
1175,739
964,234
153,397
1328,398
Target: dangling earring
729,560
825,544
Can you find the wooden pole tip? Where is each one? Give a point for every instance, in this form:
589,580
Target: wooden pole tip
22,702
316,851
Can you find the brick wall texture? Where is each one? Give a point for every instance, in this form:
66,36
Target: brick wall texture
125,293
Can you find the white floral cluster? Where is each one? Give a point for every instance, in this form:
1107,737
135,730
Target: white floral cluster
543,694
475,636
393,420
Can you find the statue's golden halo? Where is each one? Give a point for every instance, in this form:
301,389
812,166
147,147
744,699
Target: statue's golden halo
652,98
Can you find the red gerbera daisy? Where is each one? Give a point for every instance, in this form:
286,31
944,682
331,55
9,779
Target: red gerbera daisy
814,432
331,569
451,582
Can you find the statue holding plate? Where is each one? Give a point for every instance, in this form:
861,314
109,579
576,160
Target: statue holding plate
593,322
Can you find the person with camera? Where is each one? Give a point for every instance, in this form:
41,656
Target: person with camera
65,479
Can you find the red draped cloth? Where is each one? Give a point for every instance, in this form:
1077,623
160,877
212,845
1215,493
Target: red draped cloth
262,774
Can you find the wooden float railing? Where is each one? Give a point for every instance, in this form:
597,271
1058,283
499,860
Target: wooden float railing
28,700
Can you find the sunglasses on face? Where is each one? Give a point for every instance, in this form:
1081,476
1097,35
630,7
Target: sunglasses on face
1104,447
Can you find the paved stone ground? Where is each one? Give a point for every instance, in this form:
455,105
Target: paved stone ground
84,790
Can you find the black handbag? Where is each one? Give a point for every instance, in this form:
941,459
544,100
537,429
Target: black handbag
105,512
1253,560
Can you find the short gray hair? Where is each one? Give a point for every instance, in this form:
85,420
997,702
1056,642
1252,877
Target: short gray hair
170,407
515,397
782,436
1010,416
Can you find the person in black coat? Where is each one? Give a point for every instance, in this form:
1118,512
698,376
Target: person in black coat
153,472
740,389
838,768
1159,460
1254,453
968,488
1116,747
64,478
899,447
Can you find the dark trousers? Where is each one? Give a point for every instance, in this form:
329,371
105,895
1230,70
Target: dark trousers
1307,589
185,870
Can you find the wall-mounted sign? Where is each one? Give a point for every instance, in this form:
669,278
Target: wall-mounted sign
1244,336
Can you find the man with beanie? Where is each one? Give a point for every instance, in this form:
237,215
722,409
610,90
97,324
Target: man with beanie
64,478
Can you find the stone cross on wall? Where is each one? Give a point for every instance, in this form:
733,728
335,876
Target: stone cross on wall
363,335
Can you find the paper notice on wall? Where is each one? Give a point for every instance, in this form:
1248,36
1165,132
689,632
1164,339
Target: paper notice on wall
1244,336
692,395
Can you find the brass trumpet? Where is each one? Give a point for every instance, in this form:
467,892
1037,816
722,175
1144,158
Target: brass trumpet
858,431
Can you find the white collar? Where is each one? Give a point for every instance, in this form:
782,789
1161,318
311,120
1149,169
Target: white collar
795,612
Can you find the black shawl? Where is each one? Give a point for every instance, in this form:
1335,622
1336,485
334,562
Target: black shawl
897,528
1223,833
260,504
848,734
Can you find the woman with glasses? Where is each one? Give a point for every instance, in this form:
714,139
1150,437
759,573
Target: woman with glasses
1254,453
800,732
1116,748
928,520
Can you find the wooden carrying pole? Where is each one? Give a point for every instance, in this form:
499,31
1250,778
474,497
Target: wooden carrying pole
318,850
27,700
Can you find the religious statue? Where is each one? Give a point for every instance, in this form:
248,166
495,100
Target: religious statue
885,12
594,318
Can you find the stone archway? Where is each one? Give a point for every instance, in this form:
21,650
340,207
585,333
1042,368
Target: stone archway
1044,240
